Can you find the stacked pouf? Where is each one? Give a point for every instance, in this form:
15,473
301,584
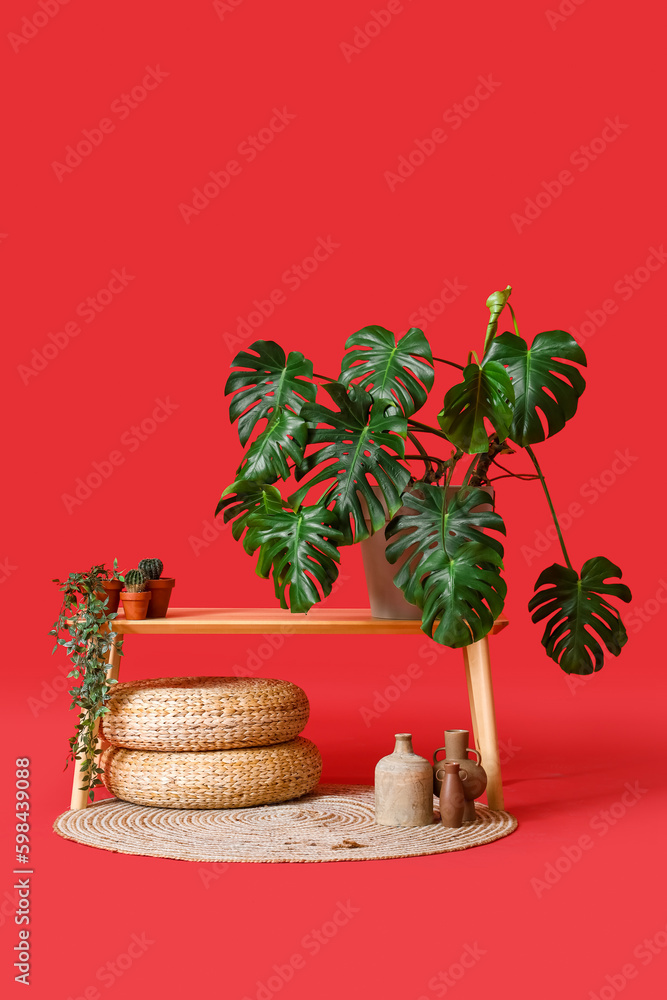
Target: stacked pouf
208,742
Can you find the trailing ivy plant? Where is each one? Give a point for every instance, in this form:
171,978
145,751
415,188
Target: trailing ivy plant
354,473
84,629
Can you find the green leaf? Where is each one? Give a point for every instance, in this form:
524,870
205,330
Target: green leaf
451,568
579,613
298,548
270,381
240,499
485,393
400,372
357,439
284,437
496,302
541,381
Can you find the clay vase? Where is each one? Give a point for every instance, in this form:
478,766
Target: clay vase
135,606
160,595
472,773
452,799
403,787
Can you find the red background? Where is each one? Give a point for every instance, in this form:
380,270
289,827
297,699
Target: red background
569,749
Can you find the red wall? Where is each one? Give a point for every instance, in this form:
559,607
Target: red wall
346,104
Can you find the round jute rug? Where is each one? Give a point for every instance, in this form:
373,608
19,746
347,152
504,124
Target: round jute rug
333,823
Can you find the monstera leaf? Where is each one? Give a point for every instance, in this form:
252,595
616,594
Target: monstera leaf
540,380
485,393
297,547
578,613
356,442
271,381
451,568
284,437
400,372
239,501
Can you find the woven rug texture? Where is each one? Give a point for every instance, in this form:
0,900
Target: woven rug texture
332,823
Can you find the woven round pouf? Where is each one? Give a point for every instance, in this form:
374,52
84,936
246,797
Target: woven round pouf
204,713
213,779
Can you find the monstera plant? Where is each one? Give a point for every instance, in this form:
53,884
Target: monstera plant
350,467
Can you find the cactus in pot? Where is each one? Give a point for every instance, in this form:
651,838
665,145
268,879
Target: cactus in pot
159,586
136,598
152,568
135,581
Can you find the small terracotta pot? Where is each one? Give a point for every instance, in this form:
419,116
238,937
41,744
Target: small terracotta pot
135,606
112,589
161,593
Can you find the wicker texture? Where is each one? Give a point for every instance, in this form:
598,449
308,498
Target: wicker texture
334,823
214,779
204,713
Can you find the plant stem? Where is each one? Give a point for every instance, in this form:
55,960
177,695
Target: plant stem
422,454
511,475
516,328
471,469
325,377
551,506
450,471
443,361
432,458
426,429
517,475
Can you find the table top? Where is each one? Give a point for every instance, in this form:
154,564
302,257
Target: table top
273,621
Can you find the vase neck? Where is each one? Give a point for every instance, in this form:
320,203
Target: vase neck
403,743
456,744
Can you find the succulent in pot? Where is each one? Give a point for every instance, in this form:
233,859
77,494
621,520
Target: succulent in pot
159,586
112,583
353,475
135,597
85,630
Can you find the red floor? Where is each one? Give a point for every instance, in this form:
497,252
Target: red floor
570,903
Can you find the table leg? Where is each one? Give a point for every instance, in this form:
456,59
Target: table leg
471,697
80,796
479,668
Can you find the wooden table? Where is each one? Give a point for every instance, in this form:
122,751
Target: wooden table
326,621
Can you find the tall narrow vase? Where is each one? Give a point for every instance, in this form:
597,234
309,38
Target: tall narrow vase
452,801
403,787
472,773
